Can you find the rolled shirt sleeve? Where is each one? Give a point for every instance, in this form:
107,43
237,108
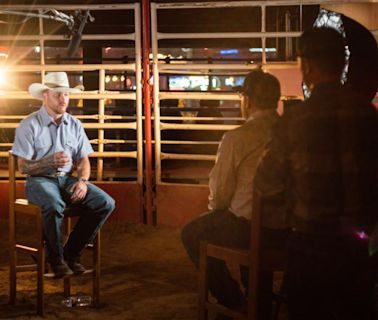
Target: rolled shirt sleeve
23,145
84,146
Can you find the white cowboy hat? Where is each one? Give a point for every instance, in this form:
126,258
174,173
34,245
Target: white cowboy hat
56,81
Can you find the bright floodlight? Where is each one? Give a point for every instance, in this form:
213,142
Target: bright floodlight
2,77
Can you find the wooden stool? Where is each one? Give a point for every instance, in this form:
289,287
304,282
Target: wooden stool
258,262
22,206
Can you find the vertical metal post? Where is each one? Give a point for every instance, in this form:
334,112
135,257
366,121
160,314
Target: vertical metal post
138,77
41,46
12,229
155,39
101,133
288,40
147,109
139,105
263,38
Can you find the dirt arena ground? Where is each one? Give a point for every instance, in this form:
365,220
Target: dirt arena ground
146,275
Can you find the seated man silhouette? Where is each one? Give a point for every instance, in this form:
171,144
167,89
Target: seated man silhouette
230,200
323,157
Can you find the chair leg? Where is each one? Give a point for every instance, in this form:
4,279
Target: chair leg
67,287
40,267
12,255
12,276
96,270
203,285
40,281
66,232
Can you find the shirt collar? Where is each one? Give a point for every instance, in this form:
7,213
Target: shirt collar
46,119
260,114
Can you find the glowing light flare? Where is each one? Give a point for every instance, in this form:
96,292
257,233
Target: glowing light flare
3,77
362,235
4,53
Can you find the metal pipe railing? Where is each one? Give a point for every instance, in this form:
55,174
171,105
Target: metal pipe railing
156,90
173,66
101,124
138,78
227,35
86,125
70,67
70,7
179,67
234,4
57,37
100,134
92,95
147,110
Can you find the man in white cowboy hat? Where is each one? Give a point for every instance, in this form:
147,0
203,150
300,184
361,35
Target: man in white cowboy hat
49,144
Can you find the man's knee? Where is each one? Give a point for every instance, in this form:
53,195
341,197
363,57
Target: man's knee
196,230
55,208
189,236
98,200
185,235
109,204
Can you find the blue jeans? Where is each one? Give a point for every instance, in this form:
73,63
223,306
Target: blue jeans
53,194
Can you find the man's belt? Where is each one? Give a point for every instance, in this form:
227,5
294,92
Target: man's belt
53,174
60,174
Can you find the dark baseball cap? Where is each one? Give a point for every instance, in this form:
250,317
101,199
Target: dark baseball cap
262,87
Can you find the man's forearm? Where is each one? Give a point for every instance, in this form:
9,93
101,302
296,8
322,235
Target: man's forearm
36,167
84,168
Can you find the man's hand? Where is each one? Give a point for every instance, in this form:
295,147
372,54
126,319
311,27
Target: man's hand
61,159
79,191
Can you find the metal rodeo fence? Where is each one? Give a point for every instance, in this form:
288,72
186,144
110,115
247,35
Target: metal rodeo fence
118,161
190,195
196,65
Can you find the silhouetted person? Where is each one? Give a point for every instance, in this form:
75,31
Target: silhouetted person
323,157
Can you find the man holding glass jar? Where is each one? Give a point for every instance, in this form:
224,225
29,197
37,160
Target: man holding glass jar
50,144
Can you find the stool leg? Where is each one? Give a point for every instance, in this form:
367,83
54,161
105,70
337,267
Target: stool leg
67,287
12,277
40,282
40,267
96,269
203,285
12,256
67,280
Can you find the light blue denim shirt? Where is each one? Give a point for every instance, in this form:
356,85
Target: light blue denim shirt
39,136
